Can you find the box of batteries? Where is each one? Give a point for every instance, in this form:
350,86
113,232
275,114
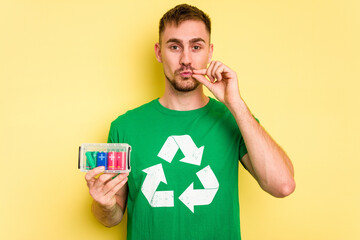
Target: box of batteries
115,157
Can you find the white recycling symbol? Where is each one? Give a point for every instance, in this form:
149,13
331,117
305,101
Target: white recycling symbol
190,197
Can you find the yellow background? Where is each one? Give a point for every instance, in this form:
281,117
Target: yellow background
70,67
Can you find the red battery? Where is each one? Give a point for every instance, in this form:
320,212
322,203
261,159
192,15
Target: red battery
121,161
112,160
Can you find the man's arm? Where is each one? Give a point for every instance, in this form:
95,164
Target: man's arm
109,192
265,160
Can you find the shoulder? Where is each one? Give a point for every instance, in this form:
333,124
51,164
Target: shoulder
218,108
129,120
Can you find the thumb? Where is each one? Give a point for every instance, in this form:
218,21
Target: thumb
200,78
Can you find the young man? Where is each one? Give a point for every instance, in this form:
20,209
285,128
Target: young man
186,146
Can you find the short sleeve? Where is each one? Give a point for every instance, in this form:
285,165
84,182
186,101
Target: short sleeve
110,136
243,149
114,133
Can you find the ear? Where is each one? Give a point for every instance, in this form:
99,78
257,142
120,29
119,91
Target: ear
158,52
210,52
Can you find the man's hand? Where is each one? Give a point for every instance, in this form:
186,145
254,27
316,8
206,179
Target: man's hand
104,188
223,82
265,160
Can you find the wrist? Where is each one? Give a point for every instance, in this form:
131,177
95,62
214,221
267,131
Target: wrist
239,110
104,208
235,103
109,216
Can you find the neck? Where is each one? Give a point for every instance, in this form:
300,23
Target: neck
184,101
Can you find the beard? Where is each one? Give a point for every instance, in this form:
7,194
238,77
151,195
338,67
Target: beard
183,84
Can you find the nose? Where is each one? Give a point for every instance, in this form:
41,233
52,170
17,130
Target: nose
185,58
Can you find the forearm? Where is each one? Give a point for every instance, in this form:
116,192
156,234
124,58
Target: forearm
108,217
270,165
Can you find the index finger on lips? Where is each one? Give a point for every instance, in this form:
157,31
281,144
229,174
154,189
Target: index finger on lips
200,78
90,175
199,71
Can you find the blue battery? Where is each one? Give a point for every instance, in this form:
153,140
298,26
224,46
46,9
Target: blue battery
102,159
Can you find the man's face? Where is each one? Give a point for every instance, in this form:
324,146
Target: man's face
182,49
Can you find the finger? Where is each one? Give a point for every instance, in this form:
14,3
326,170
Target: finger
226,72
220,72
90,175
115,185
103,179
209,71
110,184
110,196
116,189
216,72
200,71
202,80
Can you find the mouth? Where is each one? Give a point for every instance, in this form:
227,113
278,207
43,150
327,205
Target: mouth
186,74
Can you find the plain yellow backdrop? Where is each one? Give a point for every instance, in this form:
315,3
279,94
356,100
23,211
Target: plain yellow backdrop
70,67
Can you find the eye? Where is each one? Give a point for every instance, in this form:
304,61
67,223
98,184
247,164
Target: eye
174,47
196,47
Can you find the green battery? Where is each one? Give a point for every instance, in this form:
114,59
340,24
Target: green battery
94,154
91,160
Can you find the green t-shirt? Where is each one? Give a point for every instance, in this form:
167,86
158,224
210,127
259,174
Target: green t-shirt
183,182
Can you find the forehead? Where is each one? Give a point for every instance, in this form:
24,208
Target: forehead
185,31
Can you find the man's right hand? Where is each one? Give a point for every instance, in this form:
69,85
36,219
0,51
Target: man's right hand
104,187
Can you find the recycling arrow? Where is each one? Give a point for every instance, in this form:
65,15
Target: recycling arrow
192,154
191,197
155,175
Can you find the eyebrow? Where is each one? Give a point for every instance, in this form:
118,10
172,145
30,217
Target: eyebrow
194,40
173,40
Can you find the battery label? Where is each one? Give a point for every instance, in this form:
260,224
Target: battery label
111,160
102,159
121,161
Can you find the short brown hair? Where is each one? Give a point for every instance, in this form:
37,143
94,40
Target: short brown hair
181,13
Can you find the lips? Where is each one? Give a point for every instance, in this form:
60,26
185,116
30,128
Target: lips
186,73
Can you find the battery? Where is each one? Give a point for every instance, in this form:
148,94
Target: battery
94,155
90,160
102,159
120,161
111,161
